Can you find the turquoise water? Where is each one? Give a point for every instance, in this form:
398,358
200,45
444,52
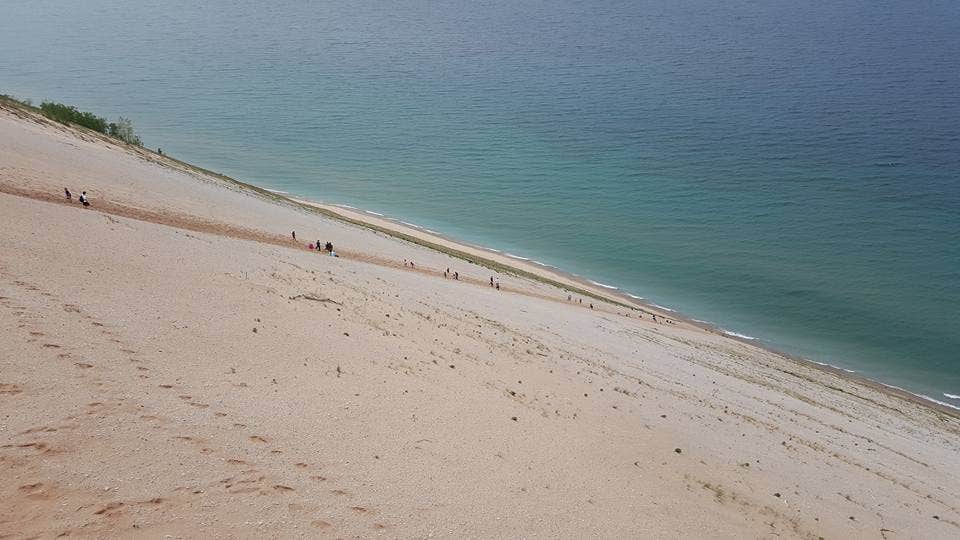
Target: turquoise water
786,171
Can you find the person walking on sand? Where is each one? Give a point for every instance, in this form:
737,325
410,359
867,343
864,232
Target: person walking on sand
293,234
491,281
329,247
67,193
456,275
83,199
318,246
498,285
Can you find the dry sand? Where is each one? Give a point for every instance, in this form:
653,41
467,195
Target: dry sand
172,363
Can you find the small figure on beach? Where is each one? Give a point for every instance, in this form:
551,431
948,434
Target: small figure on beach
591,305
445,273
67,193
491,281
569,297
329,247
456,275
318,246
83,199
654,317
411,264
580,300
498,285
293,234
310,246
160,150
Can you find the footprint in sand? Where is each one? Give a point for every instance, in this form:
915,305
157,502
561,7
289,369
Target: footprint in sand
10,389
257,438
83,365
37,492
51,346
321,524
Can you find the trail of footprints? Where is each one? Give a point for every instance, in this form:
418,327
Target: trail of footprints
31,443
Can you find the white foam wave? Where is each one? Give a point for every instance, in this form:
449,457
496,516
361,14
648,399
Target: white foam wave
658,306
951,396
737,334
516,256
635,297
277,191
414,225
431,232
605,286
701,321
374,213
347,206
938,402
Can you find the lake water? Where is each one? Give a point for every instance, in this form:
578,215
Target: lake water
787,171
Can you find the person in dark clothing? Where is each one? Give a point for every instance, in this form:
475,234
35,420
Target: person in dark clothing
83,199
66,192
328,246
293,234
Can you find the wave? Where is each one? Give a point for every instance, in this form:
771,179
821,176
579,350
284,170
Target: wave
432,232
414,225
277,191
374,213
658,306
737,334
516,256
605,286
635,297
938,402
951,396
347,206
701,321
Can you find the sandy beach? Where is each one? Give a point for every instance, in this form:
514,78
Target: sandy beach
174,364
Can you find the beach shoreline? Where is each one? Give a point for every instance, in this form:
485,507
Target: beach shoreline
499,261
559,276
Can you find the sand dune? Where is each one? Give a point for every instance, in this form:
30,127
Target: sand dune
172,363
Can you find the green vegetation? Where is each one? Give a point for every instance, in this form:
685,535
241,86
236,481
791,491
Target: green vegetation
122,129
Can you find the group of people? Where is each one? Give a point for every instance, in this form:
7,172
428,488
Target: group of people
327,247
84,200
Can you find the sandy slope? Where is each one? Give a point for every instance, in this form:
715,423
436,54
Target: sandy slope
172,364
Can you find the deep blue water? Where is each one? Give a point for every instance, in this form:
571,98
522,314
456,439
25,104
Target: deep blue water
788,171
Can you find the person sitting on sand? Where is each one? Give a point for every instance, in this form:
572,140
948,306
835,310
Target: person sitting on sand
83,199
67,193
